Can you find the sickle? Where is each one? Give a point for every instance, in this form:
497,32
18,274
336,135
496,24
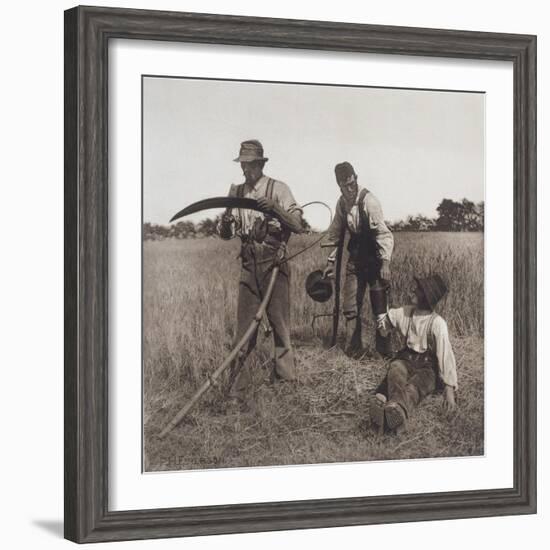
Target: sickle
221,202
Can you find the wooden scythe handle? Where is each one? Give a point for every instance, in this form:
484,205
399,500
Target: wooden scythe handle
216,374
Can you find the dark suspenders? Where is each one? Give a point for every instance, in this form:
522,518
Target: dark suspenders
240,194
362,214
364,220
430,340
269,188
268,192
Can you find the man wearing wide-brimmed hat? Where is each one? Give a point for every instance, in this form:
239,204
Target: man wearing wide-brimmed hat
425,363
263,241
358,212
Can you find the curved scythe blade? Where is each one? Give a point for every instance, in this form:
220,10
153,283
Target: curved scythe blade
217,202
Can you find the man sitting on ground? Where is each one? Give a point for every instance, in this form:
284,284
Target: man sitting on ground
426,362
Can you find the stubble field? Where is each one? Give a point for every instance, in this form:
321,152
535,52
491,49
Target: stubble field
189,310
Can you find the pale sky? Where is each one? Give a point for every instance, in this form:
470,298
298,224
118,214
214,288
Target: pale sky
411,148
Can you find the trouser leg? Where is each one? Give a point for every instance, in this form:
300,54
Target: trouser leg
383,344
355,286
398,387
247,306
278,313
423,382
350,292
408,384
354,341
255,277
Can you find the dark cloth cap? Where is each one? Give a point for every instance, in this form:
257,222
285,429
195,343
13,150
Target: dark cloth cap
318,288
250,151
344,170
433,287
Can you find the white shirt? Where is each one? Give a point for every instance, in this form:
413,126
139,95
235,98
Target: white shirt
282,195
350,217
414,327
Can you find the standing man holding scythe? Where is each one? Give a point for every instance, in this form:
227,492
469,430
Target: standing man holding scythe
263,246
370,248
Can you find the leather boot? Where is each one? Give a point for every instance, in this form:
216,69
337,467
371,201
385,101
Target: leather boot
354,343
383,344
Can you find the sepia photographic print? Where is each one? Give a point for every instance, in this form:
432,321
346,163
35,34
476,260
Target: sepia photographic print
313,273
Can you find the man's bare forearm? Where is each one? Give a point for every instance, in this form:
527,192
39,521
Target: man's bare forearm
293,220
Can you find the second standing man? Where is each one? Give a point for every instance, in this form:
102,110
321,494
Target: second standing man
370,249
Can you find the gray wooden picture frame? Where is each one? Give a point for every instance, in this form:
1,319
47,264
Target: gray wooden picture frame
87,34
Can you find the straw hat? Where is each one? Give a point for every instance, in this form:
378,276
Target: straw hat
250,151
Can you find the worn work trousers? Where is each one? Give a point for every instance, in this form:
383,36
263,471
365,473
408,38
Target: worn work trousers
257,260
410,380
359,276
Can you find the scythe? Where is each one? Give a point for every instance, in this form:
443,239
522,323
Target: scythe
223,202
337,278
230,202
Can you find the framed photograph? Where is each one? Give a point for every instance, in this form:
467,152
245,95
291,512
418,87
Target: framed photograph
300,274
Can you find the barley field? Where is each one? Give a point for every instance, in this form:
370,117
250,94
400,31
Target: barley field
189,310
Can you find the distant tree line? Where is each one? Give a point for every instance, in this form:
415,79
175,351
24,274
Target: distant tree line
180,230
451,216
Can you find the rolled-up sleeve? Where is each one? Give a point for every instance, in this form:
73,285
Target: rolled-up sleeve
285,198
383,235
335,229
444,352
